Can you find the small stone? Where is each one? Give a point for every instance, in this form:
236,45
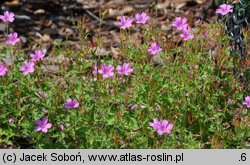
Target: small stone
2,27
46,38
39,11
23,39
22,17
156,59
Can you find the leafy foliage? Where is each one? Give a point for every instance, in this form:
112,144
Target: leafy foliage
190,86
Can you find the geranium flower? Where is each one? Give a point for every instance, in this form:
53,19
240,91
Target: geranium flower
131,107
154,48
180,23
12,39
125,22
155,124
28,67
7,17
141,18
230,101
224,9
43,125
39,54
186,34
162,126
198,22
142,106
106,71
247,102
11,120
3,70
71,104
95,68
60,127
125,69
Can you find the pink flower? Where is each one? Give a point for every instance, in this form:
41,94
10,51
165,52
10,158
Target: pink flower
156,124
142,106
141,18
186,35
43,125
11,120
28,67
165,127
247,102
224,9
205,34
125,23
198,22
71,104
125,69
7,17
122,79
107,71
131,107
154,49
39,54
95,68
180,23
230,101
60,127
3,70
12,39
162,126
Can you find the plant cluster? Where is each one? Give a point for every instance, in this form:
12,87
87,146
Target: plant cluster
190,100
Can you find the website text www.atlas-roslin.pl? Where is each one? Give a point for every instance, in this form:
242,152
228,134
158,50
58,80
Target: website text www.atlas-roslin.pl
164,157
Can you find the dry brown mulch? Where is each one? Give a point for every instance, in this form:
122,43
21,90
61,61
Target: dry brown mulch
39,22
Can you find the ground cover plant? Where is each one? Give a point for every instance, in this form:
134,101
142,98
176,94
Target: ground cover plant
153,95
